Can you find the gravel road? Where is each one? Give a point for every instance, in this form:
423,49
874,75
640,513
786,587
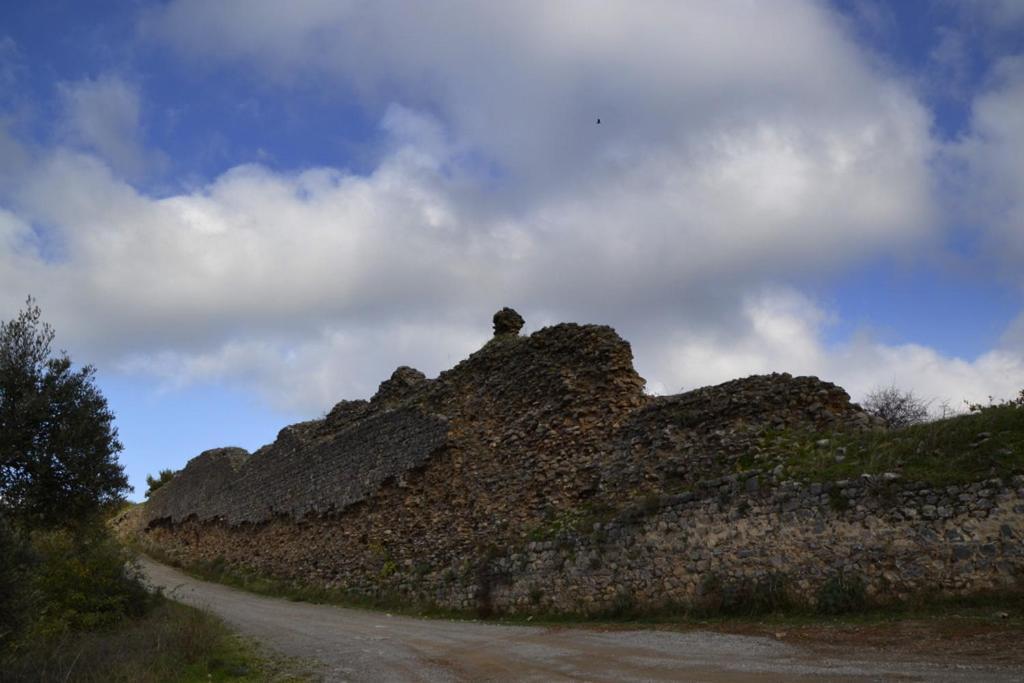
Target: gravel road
362,645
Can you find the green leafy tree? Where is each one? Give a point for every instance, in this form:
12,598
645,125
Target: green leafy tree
58,443
156,482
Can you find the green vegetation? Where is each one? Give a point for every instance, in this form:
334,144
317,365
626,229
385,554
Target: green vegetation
153,483
170,643
58,444
218,571
76,580
986,443
842,594
560,523
72,604
751,597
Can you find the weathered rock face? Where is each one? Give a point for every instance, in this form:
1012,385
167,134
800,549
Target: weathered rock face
507,321
302,472
536,474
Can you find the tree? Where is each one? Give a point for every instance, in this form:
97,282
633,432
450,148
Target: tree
897,408
58,443
156,482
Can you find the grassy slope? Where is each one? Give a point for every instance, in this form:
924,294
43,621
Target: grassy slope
170,644
956,450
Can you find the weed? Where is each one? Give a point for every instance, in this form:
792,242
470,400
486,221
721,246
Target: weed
172,643
719,596
842,593
837,501
622,607
388,569
959,449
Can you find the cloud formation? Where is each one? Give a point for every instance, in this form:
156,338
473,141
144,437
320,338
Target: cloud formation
726,165
782,329
993,159
103,115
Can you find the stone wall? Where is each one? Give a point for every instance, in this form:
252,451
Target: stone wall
537,475
899,539
303,472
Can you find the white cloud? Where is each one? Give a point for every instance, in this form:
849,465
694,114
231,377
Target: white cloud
12,63
784,331
999,15
992,155
311,374
740,144
103,115
522,83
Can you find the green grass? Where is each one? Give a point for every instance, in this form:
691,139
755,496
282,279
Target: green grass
956,450
1005,609
219,572
173,643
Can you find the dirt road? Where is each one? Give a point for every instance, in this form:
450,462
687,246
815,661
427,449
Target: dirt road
358,645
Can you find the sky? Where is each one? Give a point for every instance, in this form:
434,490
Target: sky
243,212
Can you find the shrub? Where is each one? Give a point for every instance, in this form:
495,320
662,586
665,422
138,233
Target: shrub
1016,402
717,596
842,593
897,408
172,643
153,483
81,579
13,609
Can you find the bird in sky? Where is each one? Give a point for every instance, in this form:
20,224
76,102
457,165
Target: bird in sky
599,122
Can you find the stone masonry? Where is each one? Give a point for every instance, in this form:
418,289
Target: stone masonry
536,475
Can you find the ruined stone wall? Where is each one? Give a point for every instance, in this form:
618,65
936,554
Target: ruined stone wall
536,475
725,537
299,475
899,539
506,434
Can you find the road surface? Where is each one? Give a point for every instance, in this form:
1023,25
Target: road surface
362,645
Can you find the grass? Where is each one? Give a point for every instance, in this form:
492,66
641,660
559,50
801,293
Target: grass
171,643
1004,610
218,572
956,450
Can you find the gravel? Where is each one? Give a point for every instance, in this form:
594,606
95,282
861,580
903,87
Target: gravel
363,645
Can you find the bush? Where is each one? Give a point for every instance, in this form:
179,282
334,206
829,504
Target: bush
81,580
744,597
154,483
172,643
897,408
842,593
13,609
56,582
1016,402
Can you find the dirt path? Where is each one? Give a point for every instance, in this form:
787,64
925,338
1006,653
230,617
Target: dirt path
358,645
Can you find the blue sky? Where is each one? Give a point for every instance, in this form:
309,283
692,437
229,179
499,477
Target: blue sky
242,213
